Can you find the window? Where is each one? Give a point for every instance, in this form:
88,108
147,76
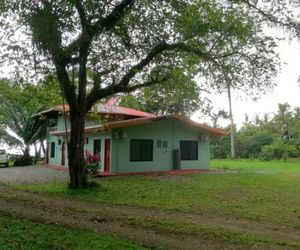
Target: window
86,140
189,150
141,150
158,143
97,146
52,152
59,142
165,144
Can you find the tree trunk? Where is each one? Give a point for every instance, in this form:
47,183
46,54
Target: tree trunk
43,148
78,176
232,144
35,153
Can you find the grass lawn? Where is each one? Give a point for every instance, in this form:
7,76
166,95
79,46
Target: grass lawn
22,234
260,191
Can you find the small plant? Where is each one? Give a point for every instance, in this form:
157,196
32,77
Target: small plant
92,163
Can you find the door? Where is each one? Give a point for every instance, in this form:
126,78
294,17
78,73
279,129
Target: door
63,145
47,153
107,156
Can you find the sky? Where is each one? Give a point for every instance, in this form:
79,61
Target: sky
287,90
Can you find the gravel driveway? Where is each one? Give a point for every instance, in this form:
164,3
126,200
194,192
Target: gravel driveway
31,175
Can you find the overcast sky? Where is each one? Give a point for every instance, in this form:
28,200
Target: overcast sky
287,89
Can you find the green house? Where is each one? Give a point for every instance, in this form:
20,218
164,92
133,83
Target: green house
130,140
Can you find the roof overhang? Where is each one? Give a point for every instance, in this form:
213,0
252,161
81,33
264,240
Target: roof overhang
146,120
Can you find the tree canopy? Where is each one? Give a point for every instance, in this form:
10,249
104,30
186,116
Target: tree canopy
178,95
122,45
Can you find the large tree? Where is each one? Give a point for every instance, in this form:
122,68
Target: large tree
122,45
180,94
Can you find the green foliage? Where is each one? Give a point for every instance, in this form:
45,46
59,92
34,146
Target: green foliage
278,150
18,104
25,160
254,143
265,137
178,95
220,148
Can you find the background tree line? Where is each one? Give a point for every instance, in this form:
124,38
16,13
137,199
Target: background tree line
268,137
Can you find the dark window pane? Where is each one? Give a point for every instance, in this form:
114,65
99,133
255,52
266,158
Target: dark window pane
165,144
189,150
141,150
97,146
52,155
158,143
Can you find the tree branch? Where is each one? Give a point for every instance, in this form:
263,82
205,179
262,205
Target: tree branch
271,18
98,93
82,15
103,24
146,84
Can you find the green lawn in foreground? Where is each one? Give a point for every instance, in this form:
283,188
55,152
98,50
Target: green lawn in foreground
261,191
23,234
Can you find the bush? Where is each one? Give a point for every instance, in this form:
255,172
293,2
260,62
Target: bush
23,161
278,150
256,142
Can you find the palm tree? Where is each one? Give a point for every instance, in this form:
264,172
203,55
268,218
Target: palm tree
21,129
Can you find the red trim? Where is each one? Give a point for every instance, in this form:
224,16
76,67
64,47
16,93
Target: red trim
107,156
60,168
63,153
158,173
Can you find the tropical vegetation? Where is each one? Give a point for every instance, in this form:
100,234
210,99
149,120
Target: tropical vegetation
269,137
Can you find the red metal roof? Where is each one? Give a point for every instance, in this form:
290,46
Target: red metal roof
103,109
145,120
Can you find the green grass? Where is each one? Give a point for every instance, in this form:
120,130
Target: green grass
260,191
23,234
291,166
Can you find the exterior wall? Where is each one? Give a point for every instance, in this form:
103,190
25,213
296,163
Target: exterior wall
90,145
167,130
56,160
171,131
61,122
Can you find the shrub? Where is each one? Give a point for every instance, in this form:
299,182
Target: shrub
278,150
254,143
92,163
23,161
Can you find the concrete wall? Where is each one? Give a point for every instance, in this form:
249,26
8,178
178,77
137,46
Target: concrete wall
88,122
169,131
166,130
90,146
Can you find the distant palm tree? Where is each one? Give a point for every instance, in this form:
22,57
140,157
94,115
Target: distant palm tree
21,129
